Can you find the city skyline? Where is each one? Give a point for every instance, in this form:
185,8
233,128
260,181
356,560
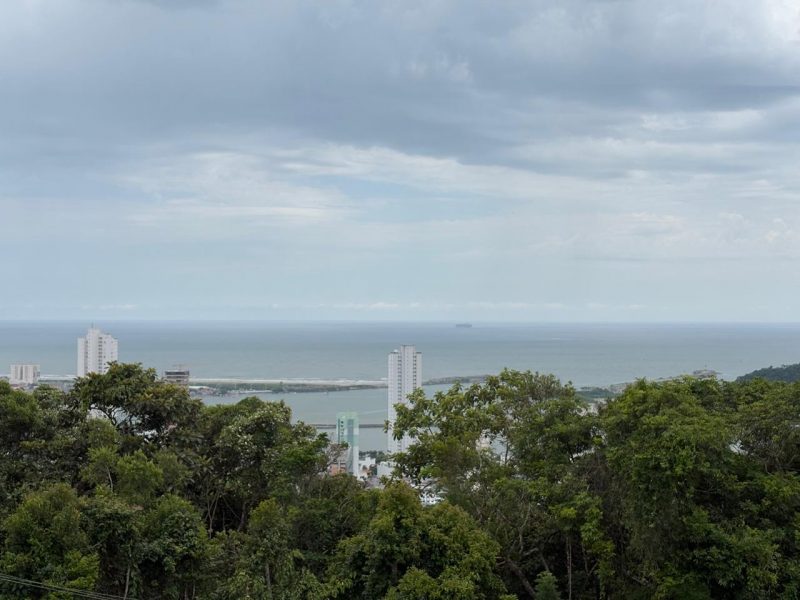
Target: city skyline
590,161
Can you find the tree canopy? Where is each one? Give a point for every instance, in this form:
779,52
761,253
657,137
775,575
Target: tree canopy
127,486
786,373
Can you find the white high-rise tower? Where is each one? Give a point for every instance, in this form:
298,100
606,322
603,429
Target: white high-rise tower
95,351
405,376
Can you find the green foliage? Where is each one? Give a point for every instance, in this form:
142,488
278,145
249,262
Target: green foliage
174,549
156,487
45,541
268,566
784,373
114,528
102,466
328,510
514,452
42,439
407,551
547,587
251,451
767,424
142,408
138,478
679,489
20,416
689,494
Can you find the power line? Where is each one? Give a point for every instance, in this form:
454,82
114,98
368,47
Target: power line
57,588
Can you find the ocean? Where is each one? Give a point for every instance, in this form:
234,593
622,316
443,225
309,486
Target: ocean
585,354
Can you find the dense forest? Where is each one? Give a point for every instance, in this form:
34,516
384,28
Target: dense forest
125,487
786,373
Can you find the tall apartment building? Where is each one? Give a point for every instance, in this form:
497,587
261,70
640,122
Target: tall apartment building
347,433
24,375
95,351
405,376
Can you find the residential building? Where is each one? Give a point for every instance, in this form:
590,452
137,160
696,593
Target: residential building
24,374
95,352
347,433
179,375
405,376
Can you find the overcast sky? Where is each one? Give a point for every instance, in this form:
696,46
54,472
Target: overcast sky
603,160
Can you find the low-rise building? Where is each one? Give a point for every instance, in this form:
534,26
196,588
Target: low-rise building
179,375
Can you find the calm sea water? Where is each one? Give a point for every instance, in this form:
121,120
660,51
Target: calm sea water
586,354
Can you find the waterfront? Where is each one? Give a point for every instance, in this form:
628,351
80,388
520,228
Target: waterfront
321,407
586,354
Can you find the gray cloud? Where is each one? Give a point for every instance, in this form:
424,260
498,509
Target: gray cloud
575,136
440,77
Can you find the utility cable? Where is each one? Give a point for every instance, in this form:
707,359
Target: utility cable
57,588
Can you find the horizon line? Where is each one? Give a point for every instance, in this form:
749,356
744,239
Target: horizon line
399,321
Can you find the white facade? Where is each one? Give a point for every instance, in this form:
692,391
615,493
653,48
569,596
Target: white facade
405,376
95,351
24,375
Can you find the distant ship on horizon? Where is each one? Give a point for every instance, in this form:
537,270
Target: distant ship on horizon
463,325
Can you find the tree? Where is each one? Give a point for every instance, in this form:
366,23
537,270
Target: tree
684,503
408,551
517,453
21,422
43,440
143,409
174,550
46,542
114,528
679,489
767,424
139,479
327,510
268,566
547,587
260,454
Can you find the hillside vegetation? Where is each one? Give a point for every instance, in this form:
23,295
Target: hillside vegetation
786,373
128,487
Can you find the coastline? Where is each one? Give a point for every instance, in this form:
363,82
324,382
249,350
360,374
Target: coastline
230,386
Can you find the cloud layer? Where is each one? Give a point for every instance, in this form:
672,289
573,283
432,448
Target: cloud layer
594,160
